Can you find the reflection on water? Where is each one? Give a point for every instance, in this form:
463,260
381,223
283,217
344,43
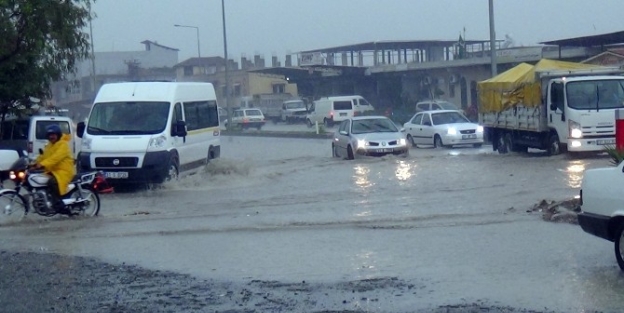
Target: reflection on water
575,172
361,177
403,171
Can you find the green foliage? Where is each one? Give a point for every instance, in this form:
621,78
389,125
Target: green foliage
617,155
41,42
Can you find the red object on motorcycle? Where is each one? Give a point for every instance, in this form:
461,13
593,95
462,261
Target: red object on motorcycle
101,185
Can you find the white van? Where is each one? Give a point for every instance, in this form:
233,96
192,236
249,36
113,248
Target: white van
330,110
150,131
29,134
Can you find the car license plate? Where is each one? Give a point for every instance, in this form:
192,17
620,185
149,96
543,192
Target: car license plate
343,114
605,142
116,175
471,136
384,150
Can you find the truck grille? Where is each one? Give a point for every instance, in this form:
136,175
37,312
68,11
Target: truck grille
116,162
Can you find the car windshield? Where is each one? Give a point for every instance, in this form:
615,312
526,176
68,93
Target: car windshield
253,112
377,125
592,95
128,118
295,105
448,118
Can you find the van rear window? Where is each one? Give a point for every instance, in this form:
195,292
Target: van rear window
15,130
343,105
43,125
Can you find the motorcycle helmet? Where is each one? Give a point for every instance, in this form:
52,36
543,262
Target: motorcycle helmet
54,129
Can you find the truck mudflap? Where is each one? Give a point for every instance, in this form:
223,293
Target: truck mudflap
595,224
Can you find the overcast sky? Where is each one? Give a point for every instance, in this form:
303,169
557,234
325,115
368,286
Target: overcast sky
278,27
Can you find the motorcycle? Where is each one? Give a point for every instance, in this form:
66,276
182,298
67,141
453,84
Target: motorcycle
31,191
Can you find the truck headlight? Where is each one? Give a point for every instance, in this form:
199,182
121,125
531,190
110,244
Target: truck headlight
452,131
86,143
157,142
575,129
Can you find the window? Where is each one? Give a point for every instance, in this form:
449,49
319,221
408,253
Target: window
188,71
426,120
201,114
237,90
417,119
344,126
423,107
452,90
279,88
435,106
126,118
343,105
15,130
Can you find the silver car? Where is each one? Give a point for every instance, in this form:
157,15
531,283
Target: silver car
443,128
368,135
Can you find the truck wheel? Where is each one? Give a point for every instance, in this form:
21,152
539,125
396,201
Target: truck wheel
554,146
619,246
504,143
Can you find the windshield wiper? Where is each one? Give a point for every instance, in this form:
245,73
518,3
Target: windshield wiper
99,130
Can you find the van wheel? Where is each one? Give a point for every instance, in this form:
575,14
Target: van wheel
350,155
619,246
172,171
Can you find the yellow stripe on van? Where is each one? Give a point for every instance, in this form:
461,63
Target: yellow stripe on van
203,130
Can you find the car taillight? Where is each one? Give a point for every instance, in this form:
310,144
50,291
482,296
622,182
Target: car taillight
245,120
30,147
356,113
331,113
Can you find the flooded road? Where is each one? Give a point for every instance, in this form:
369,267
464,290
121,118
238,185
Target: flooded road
452,222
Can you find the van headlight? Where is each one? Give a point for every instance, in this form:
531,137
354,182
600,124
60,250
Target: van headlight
575,129
86,143
157,142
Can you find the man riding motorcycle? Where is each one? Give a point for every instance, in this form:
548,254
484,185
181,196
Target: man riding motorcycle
58,163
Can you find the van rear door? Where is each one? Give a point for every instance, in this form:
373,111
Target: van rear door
343,109
37,138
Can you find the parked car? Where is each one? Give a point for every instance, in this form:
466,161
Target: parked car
294,111
432,105
247,118
602,210
368,135
443,128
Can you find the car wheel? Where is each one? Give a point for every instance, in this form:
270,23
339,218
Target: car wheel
335,151
437,142
350,155
619,246
410,139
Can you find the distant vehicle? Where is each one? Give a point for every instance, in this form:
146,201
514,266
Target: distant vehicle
368,136
294,111
602,206
271,105
247,118
332,110
432,105
443,128
360,105
29,134
8,156
149,132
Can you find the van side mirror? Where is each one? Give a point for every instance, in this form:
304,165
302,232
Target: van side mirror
180,129
81,129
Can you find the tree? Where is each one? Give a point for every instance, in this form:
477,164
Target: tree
42,41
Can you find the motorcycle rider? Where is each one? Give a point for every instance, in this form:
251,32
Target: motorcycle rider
58,163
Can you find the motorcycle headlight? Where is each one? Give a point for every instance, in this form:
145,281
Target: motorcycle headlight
575,129
452,131
157,142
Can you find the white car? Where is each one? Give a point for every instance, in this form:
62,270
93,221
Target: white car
247,118
443,128
602,206
368,135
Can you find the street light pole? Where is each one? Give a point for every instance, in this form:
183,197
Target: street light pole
227,66
493,40
197,29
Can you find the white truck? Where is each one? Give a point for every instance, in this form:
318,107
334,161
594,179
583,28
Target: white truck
602,206
556,106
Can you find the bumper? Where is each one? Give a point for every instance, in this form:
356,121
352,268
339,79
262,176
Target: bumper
597,225
378,151
460,139
153,170
589,144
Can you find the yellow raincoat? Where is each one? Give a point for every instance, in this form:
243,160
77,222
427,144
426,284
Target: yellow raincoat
57,160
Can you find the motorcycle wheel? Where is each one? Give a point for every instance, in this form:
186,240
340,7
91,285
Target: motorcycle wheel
90,207
13,207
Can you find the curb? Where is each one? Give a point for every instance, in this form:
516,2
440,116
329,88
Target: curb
276,134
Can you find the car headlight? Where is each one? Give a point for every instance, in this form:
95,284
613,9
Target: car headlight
452,131
575,129
157,142
479,129
402,142
361,143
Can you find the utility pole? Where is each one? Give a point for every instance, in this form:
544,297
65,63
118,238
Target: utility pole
493,40
227,66
92,51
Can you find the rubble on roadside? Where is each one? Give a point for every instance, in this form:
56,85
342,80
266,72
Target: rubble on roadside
565,211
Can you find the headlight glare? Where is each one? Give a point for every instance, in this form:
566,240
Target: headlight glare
479,129
402,142
575,129
452,131
361,143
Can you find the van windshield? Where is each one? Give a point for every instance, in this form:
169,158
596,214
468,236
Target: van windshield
128,118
